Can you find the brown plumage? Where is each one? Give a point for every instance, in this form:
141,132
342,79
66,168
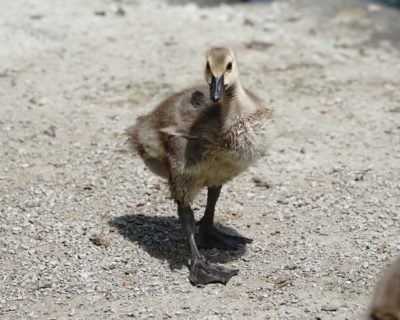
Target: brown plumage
203,137
385,303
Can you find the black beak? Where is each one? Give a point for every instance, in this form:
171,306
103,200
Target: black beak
216,88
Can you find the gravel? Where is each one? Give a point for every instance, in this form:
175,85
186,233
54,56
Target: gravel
87,232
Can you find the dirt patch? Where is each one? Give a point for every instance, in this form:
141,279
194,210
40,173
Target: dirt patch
87,232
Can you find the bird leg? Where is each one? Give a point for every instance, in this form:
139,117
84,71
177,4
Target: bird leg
209,236
201,271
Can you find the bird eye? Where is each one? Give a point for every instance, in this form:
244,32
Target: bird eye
229,66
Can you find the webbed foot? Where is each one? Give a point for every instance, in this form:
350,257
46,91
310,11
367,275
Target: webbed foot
203,272
210,237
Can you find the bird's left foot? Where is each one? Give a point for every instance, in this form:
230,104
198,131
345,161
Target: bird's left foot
210,237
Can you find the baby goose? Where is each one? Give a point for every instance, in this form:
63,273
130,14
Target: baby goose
385,304
203,137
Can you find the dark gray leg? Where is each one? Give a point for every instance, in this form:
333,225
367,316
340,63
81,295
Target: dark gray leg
186,218
201,271
212,198
211,237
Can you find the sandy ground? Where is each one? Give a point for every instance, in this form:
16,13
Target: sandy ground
86,232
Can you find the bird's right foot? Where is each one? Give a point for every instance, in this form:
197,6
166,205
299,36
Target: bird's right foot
203,272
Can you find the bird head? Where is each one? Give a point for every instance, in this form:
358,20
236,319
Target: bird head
221,71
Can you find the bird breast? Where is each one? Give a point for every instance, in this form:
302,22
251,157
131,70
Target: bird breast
247,139
239,141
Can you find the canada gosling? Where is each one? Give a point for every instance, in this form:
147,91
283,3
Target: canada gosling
203,137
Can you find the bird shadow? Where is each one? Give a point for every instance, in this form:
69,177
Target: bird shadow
389,3
162,237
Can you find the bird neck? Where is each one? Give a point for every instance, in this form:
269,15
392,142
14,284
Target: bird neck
236,103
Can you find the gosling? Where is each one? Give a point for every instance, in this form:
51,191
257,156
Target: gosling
385,303
203,137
